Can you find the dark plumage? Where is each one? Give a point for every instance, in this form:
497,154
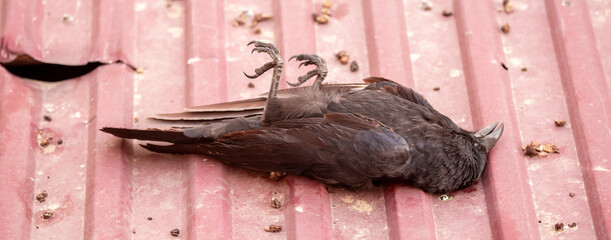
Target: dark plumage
346,134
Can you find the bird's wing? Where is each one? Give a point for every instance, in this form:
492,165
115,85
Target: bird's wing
389,86
348,149
211,113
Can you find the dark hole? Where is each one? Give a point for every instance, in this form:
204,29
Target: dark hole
27,67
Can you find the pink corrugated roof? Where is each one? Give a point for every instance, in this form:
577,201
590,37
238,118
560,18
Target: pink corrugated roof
100,187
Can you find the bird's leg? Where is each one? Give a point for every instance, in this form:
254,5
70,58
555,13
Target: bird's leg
276,63
320,72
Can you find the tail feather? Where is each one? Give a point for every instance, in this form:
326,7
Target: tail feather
172,149
150,135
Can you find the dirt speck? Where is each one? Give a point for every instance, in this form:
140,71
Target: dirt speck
325,12
354,66
436,88
175,232
572,225
505,28
535,149
273,228
276,203
47,215
560,123
276,176
558,226
571,194
426,5
447,13
134,231
327,4
47,118
251,85
149,218
524,69
343,57
321,18
445,197
508,6
504,66
41,197
240,19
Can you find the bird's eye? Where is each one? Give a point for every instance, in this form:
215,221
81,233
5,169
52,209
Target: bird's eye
476,144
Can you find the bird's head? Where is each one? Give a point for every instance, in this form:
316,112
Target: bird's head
487,137
482,141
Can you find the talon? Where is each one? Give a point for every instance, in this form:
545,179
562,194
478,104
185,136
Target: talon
250,76
320,71
276,64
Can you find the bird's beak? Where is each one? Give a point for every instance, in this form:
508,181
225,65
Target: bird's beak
489,135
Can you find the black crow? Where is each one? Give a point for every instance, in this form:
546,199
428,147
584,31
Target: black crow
344,134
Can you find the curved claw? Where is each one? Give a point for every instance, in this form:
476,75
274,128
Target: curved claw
294,56
250,76
297,84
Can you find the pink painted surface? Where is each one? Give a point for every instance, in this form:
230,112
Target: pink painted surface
100,187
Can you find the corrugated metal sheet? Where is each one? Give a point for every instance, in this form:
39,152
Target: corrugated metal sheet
101,188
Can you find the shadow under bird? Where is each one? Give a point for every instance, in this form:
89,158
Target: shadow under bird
340,134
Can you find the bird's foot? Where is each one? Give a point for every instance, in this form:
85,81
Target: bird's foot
276,64
320,72
273,52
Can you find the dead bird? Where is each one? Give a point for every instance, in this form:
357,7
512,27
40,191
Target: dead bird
339,134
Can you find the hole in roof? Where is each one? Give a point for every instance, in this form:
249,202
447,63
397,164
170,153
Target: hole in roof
27,67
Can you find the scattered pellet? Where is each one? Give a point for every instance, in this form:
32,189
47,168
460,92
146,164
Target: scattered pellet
447,13
175,232
343,57
321,18
273,228
558,226
41,197
426,5
276,203
325,12
47,215
508,6
535,149
240,19
560,123
445,197
524,69
436,88
505,28
354,66
571,194
275,176
47,118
